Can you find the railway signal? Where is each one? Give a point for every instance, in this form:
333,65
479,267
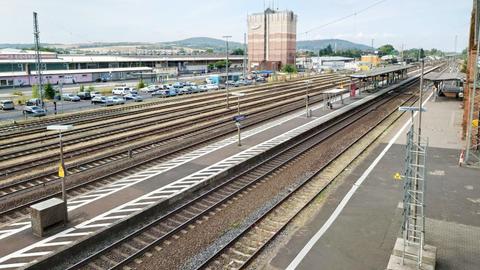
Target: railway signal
239,117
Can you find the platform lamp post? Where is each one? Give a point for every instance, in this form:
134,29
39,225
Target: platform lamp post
307,107
62,172
227,68
239,116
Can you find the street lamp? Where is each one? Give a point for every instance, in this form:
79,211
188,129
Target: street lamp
308,112
226,65
239,116
62,172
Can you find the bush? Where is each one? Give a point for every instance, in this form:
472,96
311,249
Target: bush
49,91
140,84
82,88
289,68
35,92
91,88
17,93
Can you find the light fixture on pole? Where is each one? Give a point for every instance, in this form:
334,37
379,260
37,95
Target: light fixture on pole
62,172
227,68
239,117
308,113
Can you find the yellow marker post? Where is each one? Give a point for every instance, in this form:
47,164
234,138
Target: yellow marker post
475,123
61,171
397,176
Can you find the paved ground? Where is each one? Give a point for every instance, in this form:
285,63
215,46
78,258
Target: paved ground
363,235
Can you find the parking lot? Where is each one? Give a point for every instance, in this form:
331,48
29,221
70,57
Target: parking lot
118,96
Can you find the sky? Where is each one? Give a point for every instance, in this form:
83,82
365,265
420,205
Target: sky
413,23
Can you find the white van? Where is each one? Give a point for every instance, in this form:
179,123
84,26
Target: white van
121,90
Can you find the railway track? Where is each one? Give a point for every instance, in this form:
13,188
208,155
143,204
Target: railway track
19,209
19,147
123,251
30,183
85,117
144,110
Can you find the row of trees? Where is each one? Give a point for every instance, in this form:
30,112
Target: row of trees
219,64
50,92
328,51
383,50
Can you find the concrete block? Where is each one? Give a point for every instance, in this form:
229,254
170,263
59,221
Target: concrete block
428,258
48,216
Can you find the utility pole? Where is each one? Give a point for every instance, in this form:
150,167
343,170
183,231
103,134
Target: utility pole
226,64
244,56
373,49
36,34
420,100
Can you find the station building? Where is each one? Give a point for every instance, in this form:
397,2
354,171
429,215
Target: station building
19,68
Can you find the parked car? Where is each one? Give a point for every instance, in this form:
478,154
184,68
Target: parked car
71,97
116,100
239,83
194,89
33,102
202,88
84,95
230,82
260,79
151,88
211,86
134,97
7,104
95,94
34,111
184,90
121,90
101,100
165,93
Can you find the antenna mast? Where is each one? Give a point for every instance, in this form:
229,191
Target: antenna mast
36,34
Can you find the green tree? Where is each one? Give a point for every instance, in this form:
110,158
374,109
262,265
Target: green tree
140,84
289,68
386,49
209,51
35,92
91,88
326,51
82,88
222,64
49,91
238,51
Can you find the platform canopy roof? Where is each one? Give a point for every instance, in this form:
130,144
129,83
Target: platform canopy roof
444,76
380,71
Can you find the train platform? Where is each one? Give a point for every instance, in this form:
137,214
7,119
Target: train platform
357,224
99,209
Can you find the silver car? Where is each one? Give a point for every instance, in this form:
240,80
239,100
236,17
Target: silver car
70,97
134,97
7,105
116,100
34,111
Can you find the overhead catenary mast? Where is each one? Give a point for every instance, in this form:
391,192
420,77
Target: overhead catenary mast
36,34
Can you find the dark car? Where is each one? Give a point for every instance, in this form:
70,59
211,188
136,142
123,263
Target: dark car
34,102
84,95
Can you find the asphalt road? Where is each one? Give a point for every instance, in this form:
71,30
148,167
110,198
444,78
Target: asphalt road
68,106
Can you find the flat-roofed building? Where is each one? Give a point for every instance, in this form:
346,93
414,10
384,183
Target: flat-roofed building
272,37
